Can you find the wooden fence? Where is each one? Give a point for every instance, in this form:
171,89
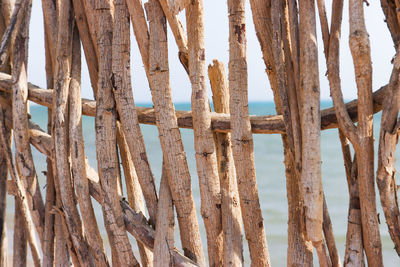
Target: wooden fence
60,234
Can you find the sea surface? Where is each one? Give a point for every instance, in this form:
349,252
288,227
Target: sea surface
270,178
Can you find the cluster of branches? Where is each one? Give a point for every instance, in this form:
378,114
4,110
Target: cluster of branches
286,31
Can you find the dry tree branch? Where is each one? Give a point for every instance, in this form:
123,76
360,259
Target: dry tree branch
206,156
22,195
170,137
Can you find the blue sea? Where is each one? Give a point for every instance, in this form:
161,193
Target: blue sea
270,179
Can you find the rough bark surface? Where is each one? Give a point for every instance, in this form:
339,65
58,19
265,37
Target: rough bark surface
230,204
206,156
170,137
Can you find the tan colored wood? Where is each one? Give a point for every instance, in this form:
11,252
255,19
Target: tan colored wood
176,6
230,204
122,89
164,235
178,31
170,137
354,254
385,176
61,140
24,160
242,140
91,229
106,139
206,154
21,196
133,189
140,30
19,243
360,50
311,185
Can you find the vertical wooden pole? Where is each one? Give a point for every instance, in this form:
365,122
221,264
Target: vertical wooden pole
206,156
231,214
242,139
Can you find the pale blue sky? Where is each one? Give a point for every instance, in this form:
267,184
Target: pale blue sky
216,32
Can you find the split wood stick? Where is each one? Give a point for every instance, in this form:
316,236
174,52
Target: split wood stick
178,31
299,250
61,140
107,156
24,160
92,232
170,137
354,254
88,43
125,104
140,29
385,176
242,139
133,189
230,204
311,184
22,193
364,146
206,154
88,10
164,235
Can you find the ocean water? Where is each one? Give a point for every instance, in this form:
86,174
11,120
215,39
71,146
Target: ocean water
270,178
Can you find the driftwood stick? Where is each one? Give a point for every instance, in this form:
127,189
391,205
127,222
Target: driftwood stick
140,30
20,244
164,235
21,195
61,140
206,154
133,189
242,139
311,185
354,254
144,233
265,124
364,146
107,156
92,232
178,31
385,176
88,43
24,160
170,137
125,104
230,204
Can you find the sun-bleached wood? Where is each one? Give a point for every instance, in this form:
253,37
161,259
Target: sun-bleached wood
242,139
170,137
122,91
230,204
206,155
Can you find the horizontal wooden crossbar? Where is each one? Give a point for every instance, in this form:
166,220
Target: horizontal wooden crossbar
268,124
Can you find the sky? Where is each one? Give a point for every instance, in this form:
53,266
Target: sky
217,47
